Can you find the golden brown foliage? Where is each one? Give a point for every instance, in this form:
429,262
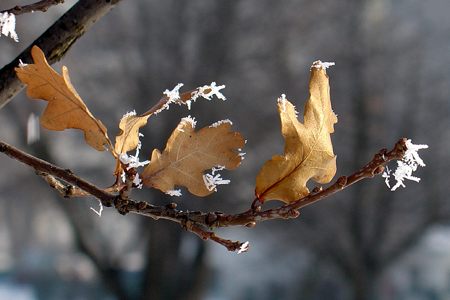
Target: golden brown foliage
65,108
188,154
308,150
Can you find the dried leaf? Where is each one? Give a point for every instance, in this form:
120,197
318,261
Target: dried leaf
188,154
128,138
65,108
308,149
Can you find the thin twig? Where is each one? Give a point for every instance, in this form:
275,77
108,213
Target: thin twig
43,6
194,220
63,174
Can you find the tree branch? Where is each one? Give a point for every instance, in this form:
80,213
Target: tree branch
194,220
43,6
55,42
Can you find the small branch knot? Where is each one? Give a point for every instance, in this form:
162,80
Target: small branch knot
316,190
293,213
210,218
142,205
378,170
171,205
341,182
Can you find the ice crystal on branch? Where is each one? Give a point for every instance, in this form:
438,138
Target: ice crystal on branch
244,248
322,65
206,92
406,166
174,193
100,208
8,25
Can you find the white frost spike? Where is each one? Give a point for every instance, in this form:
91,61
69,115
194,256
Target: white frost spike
174,94
137,181
244,247
8,25
218,123
99,212
406,165
125,158
133,162
128,114
212,180
214,90
22,64
175,193
386,175
187,120
282,102
322,65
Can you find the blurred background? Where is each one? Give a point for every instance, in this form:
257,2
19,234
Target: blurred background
391,80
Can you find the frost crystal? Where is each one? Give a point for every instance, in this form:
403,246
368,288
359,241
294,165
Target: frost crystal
218,123
213,180
8,25
406,166
322,65
99,212
386,175
206,92
282,102
128,114
186,120
133,162
244,248
176,193
174,94
22,64
213,90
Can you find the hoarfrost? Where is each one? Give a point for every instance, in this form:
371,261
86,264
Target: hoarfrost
214,90
244,247
406,166
321,65
218,123
128,114
213,180
175,193
8,25
282,102
100,209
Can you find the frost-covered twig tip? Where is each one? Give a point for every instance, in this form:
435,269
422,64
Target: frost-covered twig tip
321,65
406,166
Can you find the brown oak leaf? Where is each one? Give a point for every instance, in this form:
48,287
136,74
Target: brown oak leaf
128,138
130,124
189,153
65,108
308,152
